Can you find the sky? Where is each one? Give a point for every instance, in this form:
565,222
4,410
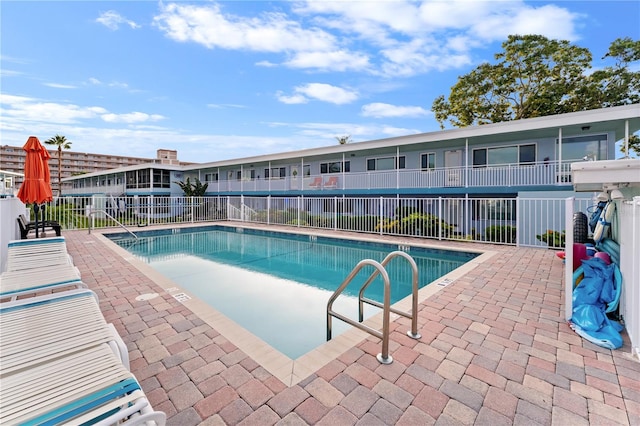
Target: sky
218,80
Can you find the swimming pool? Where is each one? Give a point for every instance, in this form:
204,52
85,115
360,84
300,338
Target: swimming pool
276,285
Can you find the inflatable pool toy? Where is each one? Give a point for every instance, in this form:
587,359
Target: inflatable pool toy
607,337
596,294
578,275
604,256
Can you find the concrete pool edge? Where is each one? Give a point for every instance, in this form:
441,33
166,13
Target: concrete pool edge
287,370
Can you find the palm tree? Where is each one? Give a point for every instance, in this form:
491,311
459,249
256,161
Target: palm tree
62,143
343,139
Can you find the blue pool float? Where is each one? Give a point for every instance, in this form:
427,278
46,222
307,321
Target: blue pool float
597,292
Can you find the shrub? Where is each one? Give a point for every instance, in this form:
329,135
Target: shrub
552,238
501,234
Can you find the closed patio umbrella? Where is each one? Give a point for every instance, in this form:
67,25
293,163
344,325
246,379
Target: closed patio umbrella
35,188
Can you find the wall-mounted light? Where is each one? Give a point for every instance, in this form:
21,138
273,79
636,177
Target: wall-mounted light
584,128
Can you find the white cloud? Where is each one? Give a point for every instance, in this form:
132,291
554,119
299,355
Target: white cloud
24,110
379,110
338,60
321,92
291,99
208,26
397,38
112,20
132,117
60,86
21,111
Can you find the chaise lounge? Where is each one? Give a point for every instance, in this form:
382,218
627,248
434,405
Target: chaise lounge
27,227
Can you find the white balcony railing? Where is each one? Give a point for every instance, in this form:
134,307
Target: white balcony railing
508,175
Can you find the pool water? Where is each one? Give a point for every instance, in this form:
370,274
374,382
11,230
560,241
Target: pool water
276,285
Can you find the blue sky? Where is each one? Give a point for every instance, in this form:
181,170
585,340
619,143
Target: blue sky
219,80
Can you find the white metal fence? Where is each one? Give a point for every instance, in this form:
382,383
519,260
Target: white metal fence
513,221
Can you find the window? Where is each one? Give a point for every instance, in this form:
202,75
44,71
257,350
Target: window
428,161
335,167
143,179
517,154
161,178
385,163
584,147
275,173
211,177
306,170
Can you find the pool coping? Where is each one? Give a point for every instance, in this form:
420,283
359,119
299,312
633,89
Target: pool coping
291,371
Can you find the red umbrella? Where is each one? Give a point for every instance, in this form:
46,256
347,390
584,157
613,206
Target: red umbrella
35,188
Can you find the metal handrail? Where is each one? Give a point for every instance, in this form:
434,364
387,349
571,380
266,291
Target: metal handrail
413,333
383,357
92,211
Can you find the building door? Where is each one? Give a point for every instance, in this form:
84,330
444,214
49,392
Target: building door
453,167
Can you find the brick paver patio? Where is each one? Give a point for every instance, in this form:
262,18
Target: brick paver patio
494,350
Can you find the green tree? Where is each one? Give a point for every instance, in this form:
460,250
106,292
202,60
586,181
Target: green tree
197,189
634,145
62,143
535,77
613,85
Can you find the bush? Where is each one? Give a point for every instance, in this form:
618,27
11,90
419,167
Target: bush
501,234
553,239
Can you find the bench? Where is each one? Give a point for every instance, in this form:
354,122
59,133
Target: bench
27,227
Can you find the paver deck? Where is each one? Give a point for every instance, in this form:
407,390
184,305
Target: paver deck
495,349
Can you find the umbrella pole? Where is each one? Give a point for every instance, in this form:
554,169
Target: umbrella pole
35,210
43,207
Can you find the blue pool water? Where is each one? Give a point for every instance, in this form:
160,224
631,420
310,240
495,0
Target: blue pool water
276,285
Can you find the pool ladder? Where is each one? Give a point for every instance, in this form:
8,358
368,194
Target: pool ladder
383,357
93,211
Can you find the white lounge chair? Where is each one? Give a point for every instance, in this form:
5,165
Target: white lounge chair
44,327
89,386
31,281
39,253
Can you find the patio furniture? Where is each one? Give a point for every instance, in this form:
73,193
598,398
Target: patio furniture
316,183
39,253
331,183
60,362
27,227
40,328
14,284
89,386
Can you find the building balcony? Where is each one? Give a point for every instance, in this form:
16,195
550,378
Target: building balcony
541,174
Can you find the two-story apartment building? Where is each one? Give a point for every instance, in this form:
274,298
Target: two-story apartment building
501,159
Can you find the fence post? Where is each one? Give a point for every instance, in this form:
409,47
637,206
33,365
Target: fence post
335,213
440,218
298,209
518,207
568,258
268,209
380,215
